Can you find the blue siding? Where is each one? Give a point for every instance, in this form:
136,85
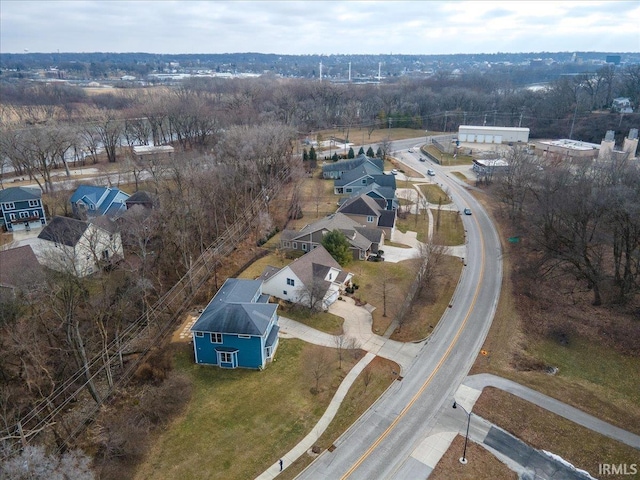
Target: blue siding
23,207
250,350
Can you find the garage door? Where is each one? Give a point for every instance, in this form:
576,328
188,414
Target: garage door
480,139
462,137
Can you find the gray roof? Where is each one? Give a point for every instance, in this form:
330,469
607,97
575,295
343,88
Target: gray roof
350,164
374,235
19,267
268,272
374,190
64,230
366,169
363,205
387,218
19,194
231,310
314,264
337,221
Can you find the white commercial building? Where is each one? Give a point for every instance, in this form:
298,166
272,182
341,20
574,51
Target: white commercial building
480,134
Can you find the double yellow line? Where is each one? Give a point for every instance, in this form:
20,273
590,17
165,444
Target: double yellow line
430,378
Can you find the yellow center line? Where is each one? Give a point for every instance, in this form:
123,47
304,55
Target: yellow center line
430,378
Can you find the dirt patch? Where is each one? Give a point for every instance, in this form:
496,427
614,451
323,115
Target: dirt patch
481,464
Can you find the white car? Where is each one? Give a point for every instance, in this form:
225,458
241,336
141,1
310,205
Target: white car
431,173
394,172
411,150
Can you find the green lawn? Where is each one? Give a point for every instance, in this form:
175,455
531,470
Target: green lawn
414,223
323,321
447,158
449,231
239,422
434,194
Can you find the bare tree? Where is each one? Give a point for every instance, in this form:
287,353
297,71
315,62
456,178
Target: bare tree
312,294
341,343
318,366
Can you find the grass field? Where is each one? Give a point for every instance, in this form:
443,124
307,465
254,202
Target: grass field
240,421
414,223
541,429
448,230
434,194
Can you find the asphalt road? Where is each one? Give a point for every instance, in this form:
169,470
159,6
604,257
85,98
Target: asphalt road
380,443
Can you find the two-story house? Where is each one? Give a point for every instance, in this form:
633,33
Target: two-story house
369,211
239,328
91,201
360,178
22,209
79,247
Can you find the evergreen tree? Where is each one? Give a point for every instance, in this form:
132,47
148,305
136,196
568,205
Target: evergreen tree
305,155
351,154
335,157
379,152
370,153
361,151
312,154
338,246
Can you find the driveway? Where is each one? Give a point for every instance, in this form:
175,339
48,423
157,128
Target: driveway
357,325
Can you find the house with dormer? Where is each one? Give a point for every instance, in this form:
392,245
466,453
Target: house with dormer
91,201
314,280
363,239
369,211
238,328
22,209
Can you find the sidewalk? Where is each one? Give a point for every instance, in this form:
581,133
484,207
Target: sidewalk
517,455
357,325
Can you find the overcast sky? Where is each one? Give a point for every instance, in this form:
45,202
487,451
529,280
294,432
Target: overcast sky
319,27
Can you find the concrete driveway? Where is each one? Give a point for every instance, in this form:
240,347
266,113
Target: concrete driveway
357,325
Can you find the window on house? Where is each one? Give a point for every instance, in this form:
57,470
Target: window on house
33,203
348,190
36,214
291,281
330,275
226,357
105,254
284,292
24,214
364,181
12,216
287,244
370,219
216,338
9,206
295,245
304,247
244,336
199,334
92,207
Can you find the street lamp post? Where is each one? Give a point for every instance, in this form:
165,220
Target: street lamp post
463,459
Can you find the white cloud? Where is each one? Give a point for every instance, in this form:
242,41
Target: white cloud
298,27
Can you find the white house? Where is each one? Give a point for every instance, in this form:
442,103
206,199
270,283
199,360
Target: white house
79,247
313,280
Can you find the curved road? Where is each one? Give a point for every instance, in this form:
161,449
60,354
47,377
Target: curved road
380,443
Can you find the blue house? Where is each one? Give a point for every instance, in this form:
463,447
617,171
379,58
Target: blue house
361,177
92,201
22,209
238,328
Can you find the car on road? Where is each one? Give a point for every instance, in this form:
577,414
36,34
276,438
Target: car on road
411,150
431,173
394,172
422,159
467,211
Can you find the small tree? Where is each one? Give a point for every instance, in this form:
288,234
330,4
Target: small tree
351,153
370,152
338,246
379,153
335,157
361,151
312,154
317,365
305,154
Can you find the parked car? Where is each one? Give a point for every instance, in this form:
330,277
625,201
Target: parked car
394,172
422,159
467,211
431,173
